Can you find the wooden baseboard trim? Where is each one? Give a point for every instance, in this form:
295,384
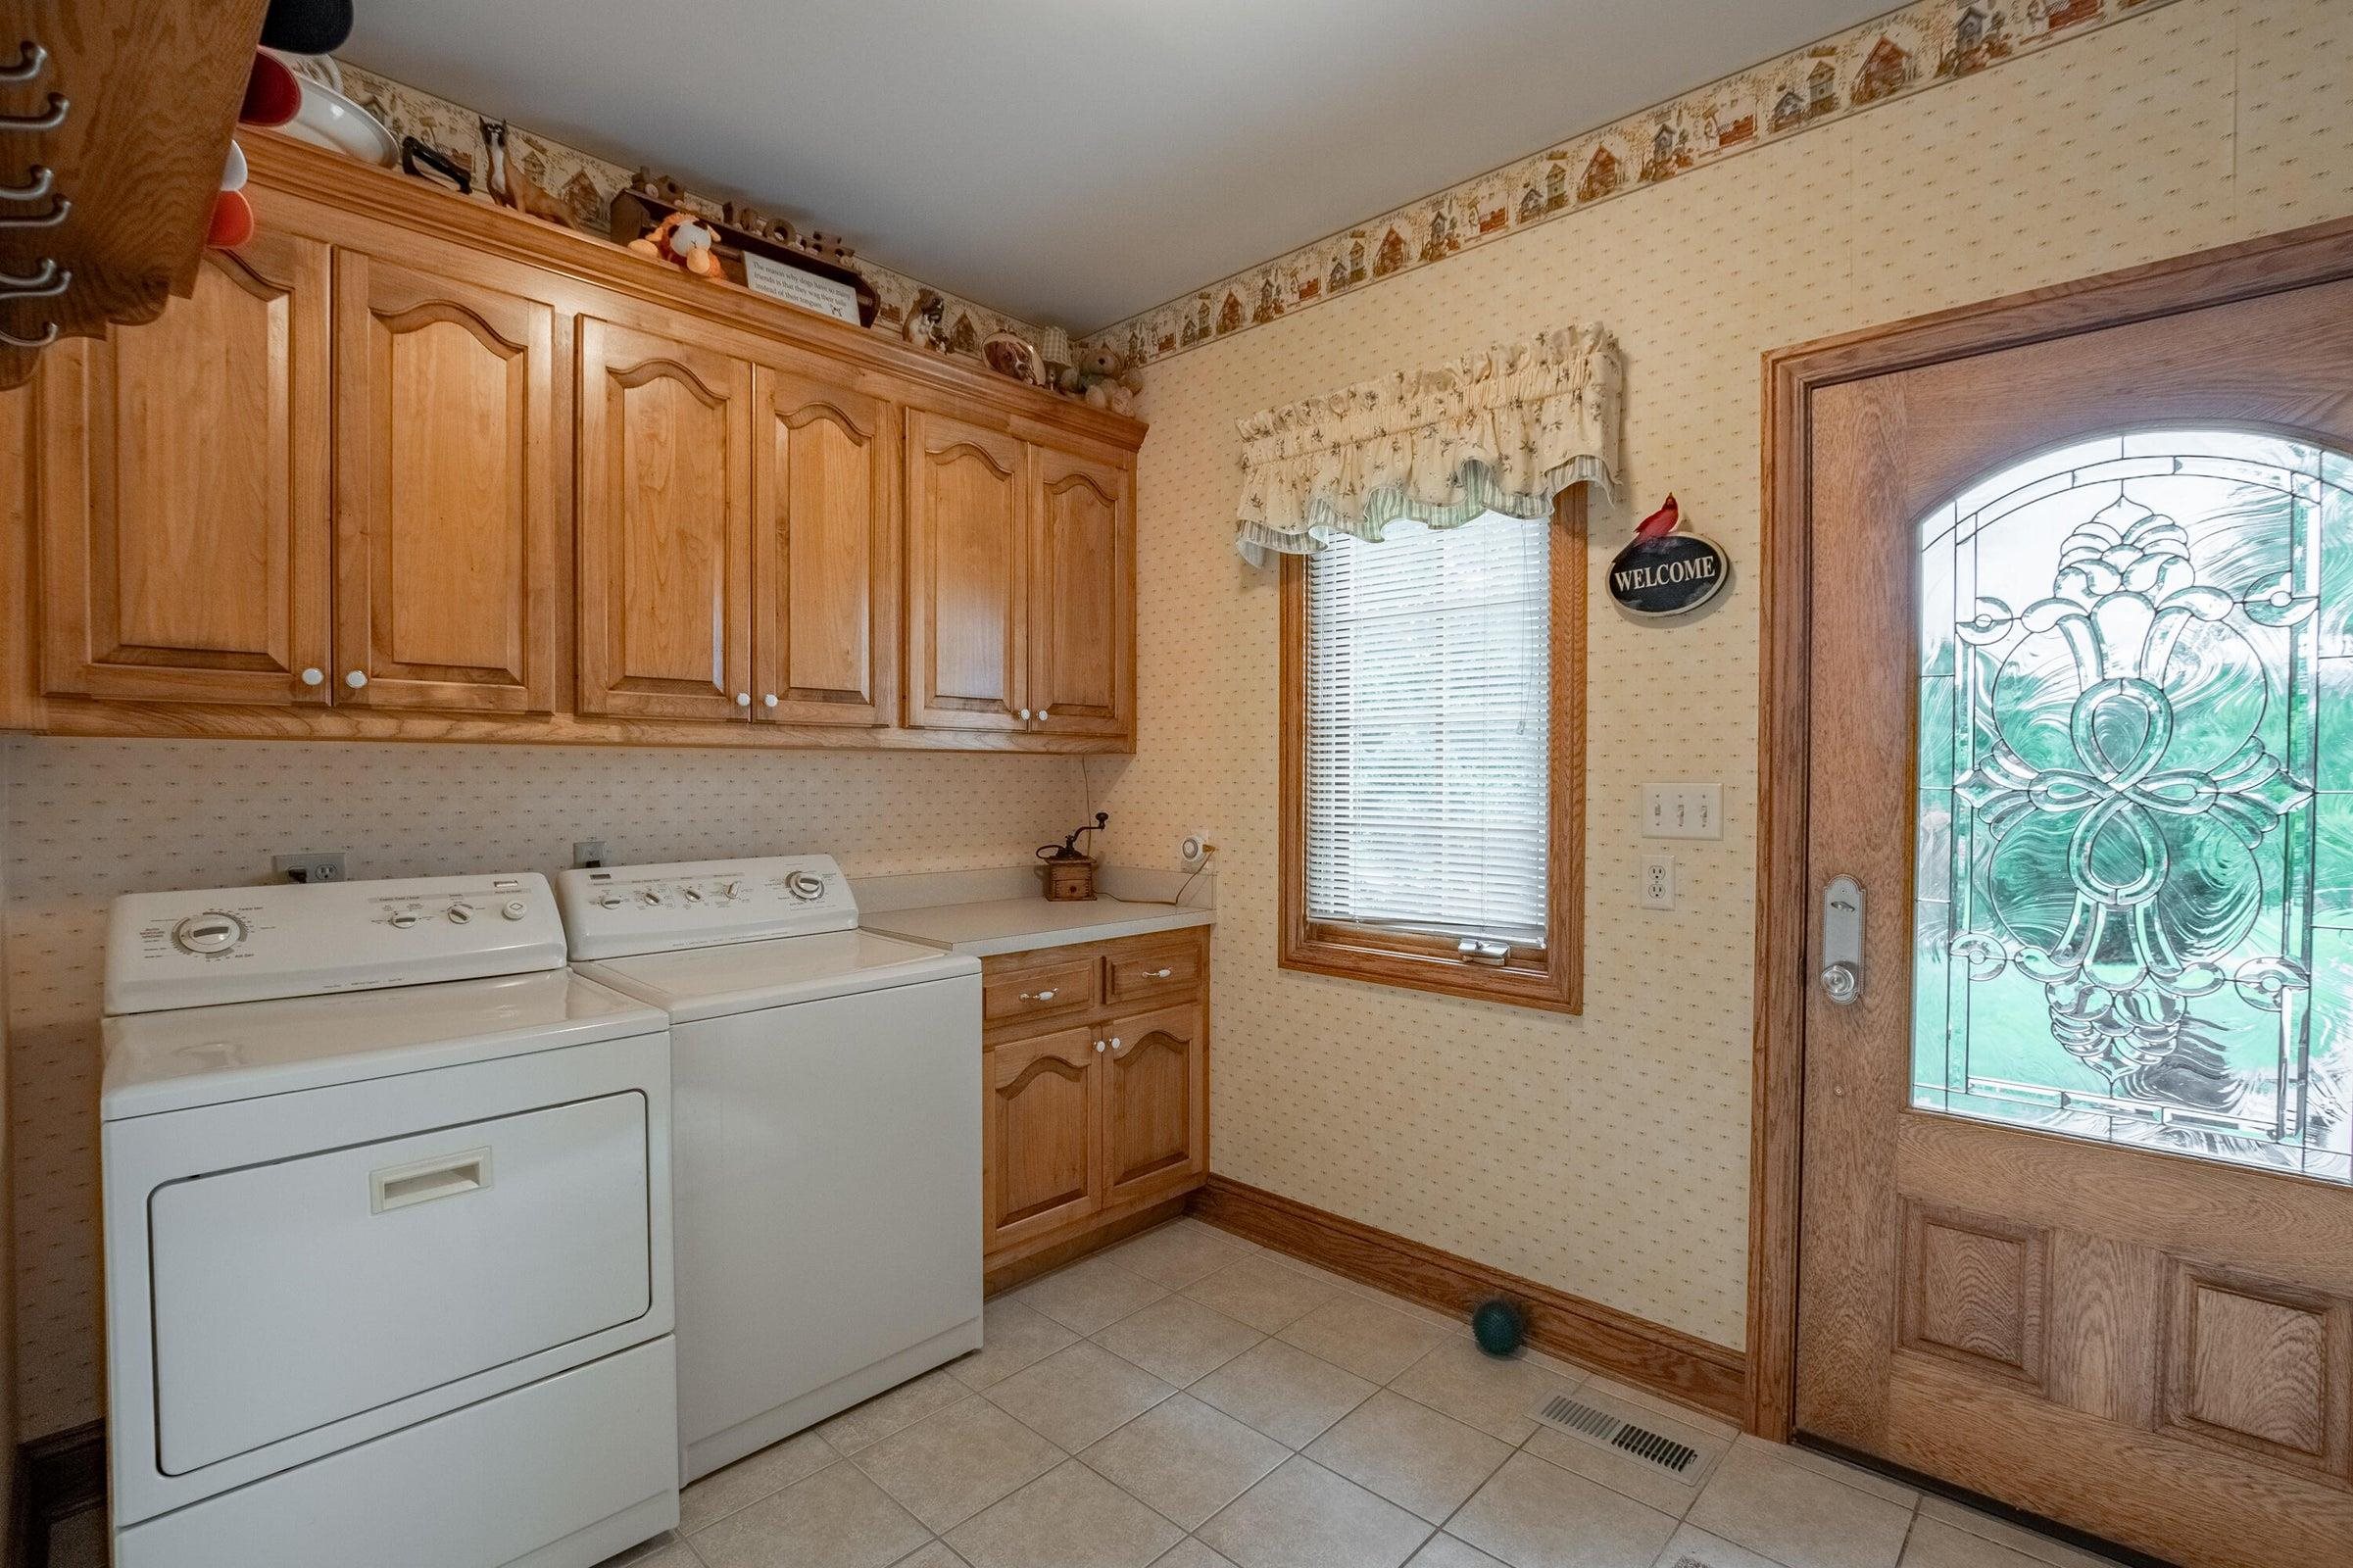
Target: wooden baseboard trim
57,1476
1022,1266
1649,1355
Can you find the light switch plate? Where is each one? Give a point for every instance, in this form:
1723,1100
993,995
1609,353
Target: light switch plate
1683,810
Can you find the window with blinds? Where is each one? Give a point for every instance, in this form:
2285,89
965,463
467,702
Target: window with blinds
1428,668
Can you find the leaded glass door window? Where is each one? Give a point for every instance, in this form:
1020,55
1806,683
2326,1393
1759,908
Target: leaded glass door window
2134,896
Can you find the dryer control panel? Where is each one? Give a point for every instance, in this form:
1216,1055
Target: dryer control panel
613,912
217,945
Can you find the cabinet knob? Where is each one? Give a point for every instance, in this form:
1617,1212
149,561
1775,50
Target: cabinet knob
1040,713
1024,714
1099,1046
1115,1044
743,699
767,699
356,679
313,676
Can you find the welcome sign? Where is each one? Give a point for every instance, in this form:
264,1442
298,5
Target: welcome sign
1665,571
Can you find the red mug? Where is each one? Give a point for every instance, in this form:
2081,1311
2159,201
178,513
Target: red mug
232,221
273,93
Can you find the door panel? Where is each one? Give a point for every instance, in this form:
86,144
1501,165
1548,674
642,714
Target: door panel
665,546
2078,1181
1154,1100
966,524
1042,1148
825,565
184,467
447,507
1082,614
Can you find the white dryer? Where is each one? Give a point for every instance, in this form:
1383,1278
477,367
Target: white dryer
827,1118
387,1234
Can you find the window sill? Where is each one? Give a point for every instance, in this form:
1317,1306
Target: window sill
1416,966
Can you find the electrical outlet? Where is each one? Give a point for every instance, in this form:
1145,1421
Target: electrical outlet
1683,810
1658,882
311,866
588,852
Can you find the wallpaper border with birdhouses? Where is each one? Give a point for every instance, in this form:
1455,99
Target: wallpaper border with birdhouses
1902,52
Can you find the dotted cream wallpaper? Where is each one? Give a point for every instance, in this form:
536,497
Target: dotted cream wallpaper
1607,1154
88,819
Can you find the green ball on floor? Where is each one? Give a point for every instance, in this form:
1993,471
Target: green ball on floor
1499,1327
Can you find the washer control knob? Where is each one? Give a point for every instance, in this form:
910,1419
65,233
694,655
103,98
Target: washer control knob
649,896
733,890
460,913
693,894
209,932
514,909
804,886
401,920
610,901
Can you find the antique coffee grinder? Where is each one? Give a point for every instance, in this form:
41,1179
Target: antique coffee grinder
1070,875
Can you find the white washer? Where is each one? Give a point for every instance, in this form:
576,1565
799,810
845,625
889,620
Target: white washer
387,1234
828,1137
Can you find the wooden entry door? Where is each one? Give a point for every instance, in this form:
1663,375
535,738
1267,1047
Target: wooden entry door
2077,1184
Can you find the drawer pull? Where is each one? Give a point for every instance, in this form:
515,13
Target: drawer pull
36,187
427,1179
1161,974
48,337
31,60
1037,996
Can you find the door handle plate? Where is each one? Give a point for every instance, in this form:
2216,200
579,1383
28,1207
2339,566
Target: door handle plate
1843,940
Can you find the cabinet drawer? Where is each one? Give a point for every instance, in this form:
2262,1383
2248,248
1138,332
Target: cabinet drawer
1040,991
1167,971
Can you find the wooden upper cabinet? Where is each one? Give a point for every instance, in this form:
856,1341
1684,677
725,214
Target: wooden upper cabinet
825,551
183,508
447,509
968,517
1156,1102
1082,620
665,528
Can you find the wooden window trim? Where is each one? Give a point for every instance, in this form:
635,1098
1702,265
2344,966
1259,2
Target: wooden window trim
1551,978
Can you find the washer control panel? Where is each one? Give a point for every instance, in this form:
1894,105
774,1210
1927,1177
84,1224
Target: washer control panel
216,944
612,912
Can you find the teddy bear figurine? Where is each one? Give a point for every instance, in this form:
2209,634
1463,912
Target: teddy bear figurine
1100,383
682,240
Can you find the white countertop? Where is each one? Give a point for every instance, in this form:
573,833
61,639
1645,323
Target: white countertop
1025,924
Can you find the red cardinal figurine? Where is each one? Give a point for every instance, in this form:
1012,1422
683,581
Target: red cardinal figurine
1659,523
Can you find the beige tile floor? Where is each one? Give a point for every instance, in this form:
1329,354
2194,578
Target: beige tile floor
1190,1401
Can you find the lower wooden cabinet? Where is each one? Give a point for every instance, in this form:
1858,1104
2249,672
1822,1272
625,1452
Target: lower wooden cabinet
1091,1119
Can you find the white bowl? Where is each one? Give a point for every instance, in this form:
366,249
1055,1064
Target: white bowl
327,118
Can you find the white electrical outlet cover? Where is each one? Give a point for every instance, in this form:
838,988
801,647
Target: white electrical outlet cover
1658,884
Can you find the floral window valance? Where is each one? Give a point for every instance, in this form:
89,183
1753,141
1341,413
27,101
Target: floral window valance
1504,430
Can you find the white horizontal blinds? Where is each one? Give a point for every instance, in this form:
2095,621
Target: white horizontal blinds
1429,685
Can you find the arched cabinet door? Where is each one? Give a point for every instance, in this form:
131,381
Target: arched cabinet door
1082,622
664,534
967,590
183,497
447,504
824,551
1155,1111
1041,1146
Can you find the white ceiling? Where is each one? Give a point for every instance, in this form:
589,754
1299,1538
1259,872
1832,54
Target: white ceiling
1075,160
